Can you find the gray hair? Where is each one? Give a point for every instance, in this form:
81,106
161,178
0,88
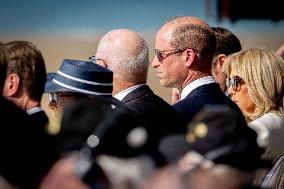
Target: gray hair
130,63
200,38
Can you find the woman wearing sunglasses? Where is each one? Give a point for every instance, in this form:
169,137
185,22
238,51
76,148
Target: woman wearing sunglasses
256,78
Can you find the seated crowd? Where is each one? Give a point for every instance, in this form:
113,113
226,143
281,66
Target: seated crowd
106,128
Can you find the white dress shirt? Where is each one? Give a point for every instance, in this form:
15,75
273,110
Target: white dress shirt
122,94
34,110
196,83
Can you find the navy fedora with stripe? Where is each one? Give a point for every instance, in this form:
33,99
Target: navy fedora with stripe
81,77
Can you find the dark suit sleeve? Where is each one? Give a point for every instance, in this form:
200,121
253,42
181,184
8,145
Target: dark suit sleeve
27,152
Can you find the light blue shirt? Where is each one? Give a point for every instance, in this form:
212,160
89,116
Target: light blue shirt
34,110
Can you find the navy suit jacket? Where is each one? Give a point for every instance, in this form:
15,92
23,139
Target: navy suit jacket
206,94
40,118
157,117
25,148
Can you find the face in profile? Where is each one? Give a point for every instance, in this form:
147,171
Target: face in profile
57,102
239,93
218,72
220,77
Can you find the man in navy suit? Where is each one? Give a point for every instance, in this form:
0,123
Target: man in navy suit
26,77
126,53
27,152
184,51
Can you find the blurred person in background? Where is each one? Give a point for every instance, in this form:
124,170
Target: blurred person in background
227,43
213,177
27,152
25,79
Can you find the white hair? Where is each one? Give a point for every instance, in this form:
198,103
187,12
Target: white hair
127,60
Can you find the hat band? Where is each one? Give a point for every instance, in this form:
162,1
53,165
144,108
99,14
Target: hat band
82,80
79,90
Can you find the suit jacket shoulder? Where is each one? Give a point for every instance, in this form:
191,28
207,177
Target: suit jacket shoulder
206,94
154,110
40,118
24,148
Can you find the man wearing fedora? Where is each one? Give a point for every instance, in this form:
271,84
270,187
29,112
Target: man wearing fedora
81,90
25,80
79,87
74,80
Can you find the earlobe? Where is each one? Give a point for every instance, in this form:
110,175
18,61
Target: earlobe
190,56
221,58
11,85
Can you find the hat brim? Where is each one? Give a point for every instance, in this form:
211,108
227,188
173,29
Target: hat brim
227,139
173,147
52,87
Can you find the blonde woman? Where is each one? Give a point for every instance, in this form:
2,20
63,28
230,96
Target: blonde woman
256,79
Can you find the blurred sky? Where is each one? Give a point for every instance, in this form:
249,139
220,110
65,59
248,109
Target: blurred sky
28,16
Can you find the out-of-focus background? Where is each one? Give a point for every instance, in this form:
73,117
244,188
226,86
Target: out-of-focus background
71,29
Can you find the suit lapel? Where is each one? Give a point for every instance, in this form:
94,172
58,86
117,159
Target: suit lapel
137,93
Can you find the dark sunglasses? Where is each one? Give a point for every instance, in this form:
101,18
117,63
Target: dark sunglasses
57,97
235,82
161,55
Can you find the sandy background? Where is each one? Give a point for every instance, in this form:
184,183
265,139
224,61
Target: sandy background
57,46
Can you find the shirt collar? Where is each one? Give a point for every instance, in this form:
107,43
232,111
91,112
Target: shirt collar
34,110
196,83
122,94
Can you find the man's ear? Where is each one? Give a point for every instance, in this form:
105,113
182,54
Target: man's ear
12,84
220,59
190,57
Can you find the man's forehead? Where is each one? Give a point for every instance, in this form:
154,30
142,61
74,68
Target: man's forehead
165,33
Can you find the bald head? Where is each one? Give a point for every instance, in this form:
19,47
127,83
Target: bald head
122,41
190,32
168,28
187,20
176,22
126,54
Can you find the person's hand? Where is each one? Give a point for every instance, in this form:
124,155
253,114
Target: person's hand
192,160
62,176
175,95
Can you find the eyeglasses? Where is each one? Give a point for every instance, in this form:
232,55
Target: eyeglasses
161,55
99,61
60,97
53,97
235,82
92,59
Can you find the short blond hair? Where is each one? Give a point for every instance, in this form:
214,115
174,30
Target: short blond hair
263,72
